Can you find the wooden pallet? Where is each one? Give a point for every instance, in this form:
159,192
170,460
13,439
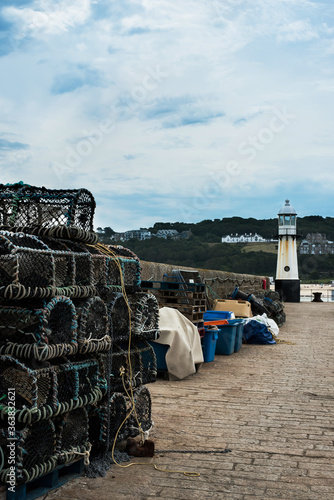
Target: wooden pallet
171,285
182,301
186,294
44,484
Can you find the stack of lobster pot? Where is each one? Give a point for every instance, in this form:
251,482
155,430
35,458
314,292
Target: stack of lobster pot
74,356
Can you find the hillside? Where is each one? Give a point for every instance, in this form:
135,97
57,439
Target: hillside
213,230
205,250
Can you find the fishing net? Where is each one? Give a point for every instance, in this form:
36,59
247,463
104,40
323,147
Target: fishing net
141,418
144,315
72,436
93,329
32,449
42,333
35,390
31,268
48,212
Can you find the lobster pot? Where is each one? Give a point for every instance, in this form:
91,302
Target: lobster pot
79,383
132,372
148,361
123,271
98,428
32,453
72,435
44,333
143,310
93,325
142,414
49,212
117,415
119,317
34,391
31,268
145,317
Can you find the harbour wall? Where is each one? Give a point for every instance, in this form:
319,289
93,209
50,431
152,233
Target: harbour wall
222,283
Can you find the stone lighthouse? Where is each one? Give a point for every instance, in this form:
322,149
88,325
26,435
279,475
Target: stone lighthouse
287,282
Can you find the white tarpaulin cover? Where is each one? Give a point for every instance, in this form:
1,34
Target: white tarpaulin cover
185,345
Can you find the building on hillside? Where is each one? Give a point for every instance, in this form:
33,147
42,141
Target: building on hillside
138,234
316,244
168,233
244,238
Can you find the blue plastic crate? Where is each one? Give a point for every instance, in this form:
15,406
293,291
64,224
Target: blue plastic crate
239,323
226,339
160,352
213,315
209,342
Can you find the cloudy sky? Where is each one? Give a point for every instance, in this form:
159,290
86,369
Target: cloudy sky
171,110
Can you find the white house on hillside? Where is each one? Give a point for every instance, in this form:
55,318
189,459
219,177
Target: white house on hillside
244,238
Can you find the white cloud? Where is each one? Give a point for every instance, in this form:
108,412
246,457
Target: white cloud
47,16
183,83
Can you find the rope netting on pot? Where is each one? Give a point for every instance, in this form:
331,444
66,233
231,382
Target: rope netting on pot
148,360
140,419
48,331
30,268
126,368
114,272
72,436
79,383
35,390
93,325
31,450
49,212
144,316
105,422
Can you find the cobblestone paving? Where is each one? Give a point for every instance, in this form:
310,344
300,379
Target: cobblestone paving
271,405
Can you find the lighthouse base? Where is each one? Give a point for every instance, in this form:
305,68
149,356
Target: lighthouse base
289,290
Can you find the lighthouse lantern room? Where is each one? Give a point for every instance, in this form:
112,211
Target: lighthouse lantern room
287,282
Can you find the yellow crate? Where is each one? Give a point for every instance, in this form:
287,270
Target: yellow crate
241,308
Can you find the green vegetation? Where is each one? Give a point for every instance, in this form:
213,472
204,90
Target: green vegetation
204,250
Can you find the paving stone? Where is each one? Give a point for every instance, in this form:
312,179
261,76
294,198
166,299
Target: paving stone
271,405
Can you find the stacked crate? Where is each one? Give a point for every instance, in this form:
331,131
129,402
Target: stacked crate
68,378
184,291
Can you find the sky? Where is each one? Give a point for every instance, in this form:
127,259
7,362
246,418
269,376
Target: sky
171,111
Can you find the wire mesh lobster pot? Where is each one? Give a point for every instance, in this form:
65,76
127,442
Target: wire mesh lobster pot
112,271
31,451
30,268
143,311
47,332
35,390
142,414
79,383
126,368
117,415
49,212
145,319
148,361
72,436
93,325
99,427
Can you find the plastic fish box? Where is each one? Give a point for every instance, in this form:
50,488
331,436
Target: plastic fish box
212,315
209,342
226,339
241,308
239,323
160,352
